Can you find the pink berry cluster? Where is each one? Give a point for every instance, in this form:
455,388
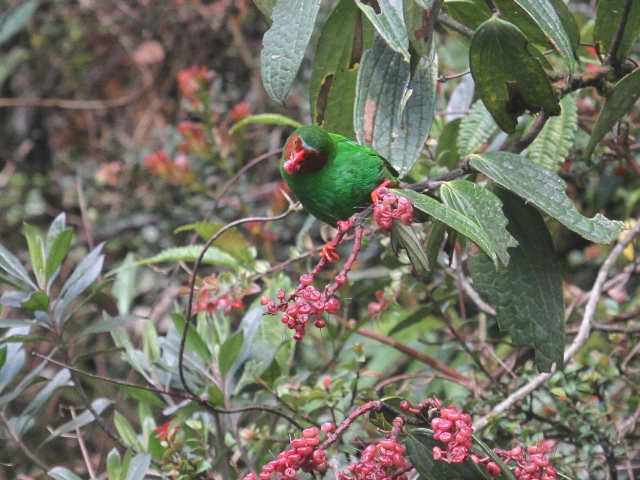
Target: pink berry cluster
378,462
532,464
304,456
306,304
453,428
389,206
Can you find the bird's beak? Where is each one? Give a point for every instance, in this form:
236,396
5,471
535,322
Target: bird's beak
294,163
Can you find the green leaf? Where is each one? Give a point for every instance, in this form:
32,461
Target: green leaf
60,379
150,341
108,325
475,129
265,6
546,191
447,150
144,396
213,256
3,356
13,21
568,22
85,273
545,15
557,137
469,13
452,218
37,301
124,286
138,467
434,242
419,20
484,208
36,253
62,473
85,418
608,16
420,443
625,93
285,43
114,465
404,238
509,79
527,295
389,22
194,342
393,112
57,252
125,430
231,241
345,36
265,119
12,266
229,351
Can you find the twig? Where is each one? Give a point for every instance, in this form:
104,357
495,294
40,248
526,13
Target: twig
447,21
83,448
16,438
611,56
578,341
531,135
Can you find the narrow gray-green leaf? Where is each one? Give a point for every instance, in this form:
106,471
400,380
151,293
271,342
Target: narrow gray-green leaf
557,137
229,351
546,191
138,467
35,243
59,380
527,294
547,18
451,217
85,418
475,129
213,256
483,207
404,238
625,93
264,119
384,119
389,23
62,473
15,20
10,264
285,43
57,252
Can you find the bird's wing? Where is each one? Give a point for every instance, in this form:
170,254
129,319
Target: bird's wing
344,142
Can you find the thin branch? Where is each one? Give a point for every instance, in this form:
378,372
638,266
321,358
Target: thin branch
531,135
449,22
16,438
611,56
578,341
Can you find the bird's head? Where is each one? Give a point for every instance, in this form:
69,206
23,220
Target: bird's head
307,150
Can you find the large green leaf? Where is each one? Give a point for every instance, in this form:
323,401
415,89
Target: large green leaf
545,15
557,137
625,93
388,19
285,43
475,129
546,191
483,207
420,443
394,112
469,13
509,78
527,294
229,351
459,222
608,16
345,36
419,20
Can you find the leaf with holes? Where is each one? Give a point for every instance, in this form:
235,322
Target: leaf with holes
388,20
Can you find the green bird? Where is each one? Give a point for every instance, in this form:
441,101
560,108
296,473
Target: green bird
332,176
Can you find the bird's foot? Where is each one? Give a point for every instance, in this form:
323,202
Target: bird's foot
329,253
380,191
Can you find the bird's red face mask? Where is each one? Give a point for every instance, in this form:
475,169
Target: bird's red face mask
301,158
